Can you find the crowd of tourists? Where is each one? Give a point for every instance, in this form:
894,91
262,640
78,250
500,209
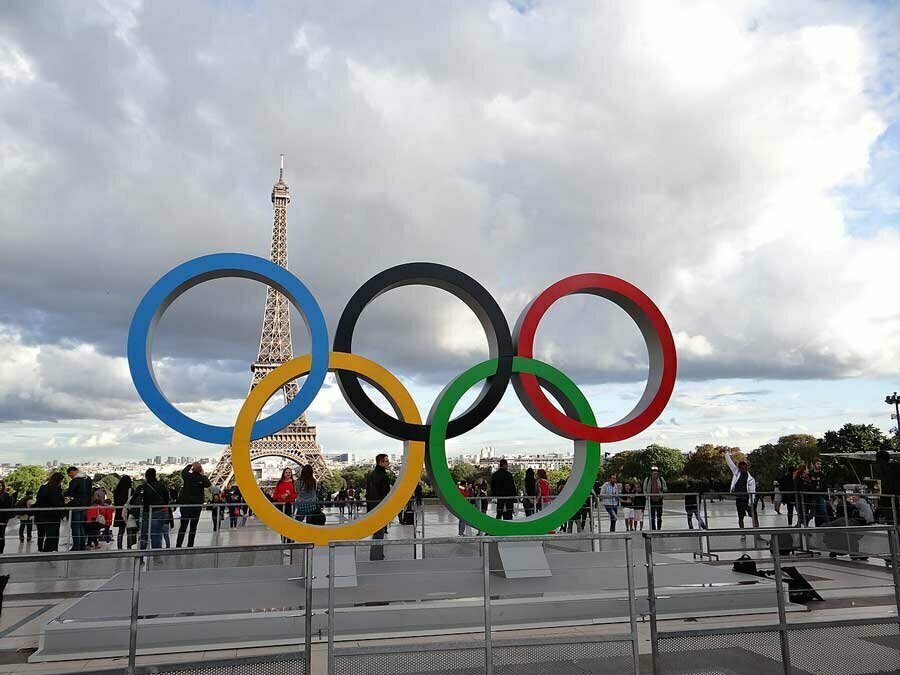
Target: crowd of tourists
143,513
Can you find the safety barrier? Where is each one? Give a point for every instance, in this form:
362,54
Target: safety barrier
463,590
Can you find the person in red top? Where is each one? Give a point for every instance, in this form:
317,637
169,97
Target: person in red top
542,489
109,515
285,493
464,491
96,521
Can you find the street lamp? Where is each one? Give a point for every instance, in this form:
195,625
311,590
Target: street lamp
894,400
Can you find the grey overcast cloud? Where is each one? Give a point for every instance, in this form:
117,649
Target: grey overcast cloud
737,161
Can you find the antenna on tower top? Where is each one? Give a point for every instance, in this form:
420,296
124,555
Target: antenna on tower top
281,171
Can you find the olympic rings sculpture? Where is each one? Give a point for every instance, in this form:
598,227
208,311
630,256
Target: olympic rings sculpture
511,359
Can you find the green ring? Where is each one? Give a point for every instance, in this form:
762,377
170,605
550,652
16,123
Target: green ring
587,453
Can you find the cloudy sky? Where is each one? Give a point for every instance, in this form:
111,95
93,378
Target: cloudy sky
737,161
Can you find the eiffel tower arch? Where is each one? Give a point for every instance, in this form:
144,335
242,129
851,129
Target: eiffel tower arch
297,441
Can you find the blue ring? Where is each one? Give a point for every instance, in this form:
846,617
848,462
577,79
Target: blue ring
190,274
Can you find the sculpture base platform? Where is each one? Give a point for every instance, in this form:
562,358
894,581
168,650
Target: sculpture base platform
519,560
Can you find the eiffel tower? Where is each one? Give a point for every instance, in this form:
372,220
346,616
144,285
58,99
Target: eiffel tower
297,441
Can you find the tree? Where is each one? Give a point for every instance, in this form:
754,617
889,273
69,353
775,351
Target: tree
173,480
333,483
355,476
25,478
108,481
463,471
635,464
852,438
707,463
769,462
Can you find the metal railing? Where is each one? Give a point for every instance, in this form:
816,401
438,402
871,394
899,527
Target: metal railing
780,542
499,640
488,644
140,562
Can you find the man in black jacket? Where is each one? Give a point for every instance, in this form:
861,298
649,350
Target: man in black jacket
503,487
378,485
154,509
193,491
79,496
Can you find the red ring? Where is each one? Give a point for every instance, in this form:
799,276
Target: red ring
656,333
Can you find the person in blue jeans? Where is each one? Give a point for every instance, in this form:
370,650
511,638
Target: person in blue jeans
154,509
79,496
609,493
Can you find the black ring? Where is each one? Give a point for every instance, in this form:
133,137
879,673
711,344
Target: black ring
476,298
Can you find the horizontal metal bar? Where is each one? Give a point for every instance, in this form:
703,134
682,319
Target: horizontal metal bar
472,645
480,539
135,553
775,627
733,532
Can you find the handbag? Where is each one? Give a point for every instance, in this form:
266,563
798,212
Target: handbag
100,520
317,518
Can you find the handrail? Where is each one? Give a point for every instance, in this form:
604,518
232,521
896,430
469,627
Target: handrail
155,552
666,534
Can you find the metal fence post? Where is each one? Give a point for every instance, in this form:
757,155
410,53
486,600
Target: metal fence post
135,599
782,615
308,579
651,603
331,607
632,612
488,649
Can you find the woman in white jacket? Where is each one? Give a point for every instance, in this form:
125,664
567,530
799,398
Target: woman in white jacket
743,486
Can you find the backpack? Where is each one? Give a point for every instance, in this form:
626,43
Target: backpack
745,565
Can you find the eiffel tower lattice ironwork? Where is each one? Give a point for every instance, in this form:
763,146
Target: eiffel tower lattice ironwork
297,441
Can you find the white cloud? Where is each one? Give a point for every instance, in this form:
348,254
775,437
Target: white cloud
697,150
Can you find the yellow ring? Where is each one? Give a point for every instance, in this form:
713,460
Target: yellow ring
413,451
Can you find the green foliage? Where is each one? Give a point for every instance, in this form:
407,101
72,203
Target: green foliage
355,476
707,464
107,481
852,438
462,471
769,462
172,480
25,478
635,464
333,483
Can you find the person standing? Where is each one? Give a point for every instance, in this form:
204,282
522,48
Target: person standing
655,487
25,515
464,491
154,509
217,510
49,496
890,482
743,487
79,497
692,501
285,494
193,495
306,503
789,494
802,488
378,485
817,482
776,496
640,504
609,493
121,495
626,501
529,487
503,489
542,490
